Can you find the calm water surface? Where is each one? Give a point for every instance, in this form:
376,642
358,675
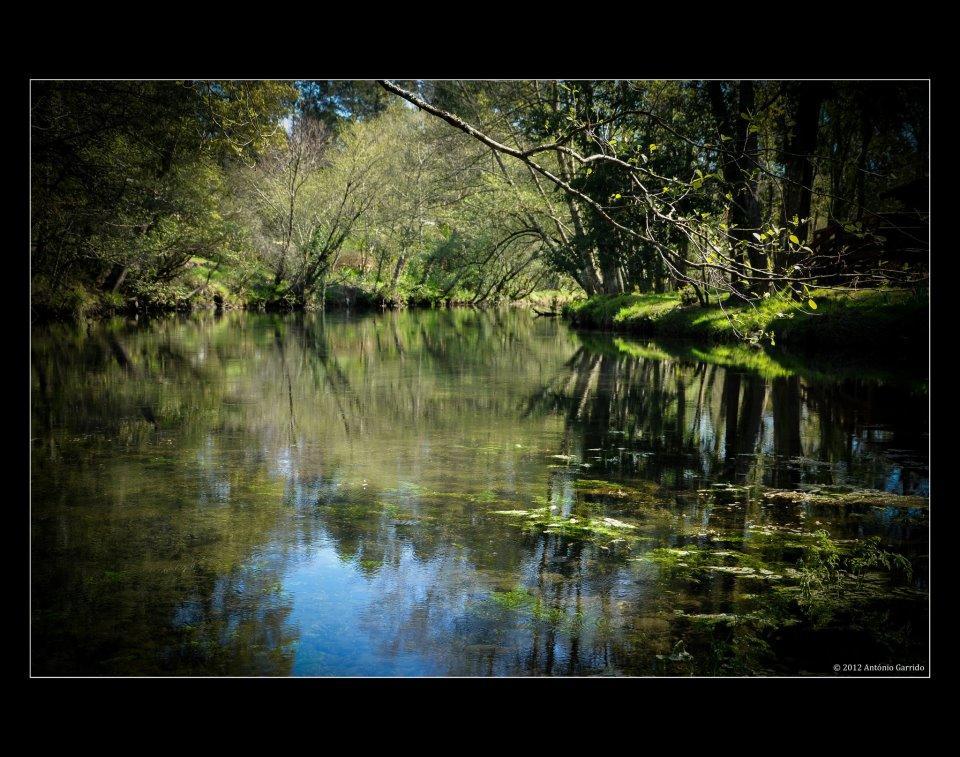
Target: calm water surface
307,495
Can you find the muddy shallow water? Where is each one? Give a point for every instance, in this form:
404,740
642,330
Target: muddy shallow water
464,493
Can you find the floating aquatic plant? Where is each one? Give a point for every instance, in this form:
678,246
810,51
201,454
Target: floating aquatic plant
853,497
588,528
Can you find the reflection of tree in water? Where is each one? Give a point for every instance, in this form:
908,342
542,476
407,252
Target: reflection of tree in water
145,518
235,624
474,597
679,422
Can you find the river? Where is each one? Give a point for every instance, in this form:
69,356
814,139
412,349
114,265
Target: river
465,493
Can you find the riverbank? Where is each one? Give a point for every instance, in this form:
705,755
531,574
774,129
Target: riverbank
893,320
80,302
210,294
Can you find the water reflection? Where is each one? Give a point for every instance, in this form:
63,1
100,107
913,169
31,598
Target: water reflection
299,495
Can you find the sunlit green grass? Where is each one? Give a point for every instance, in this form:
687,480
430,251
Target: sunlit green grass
895,319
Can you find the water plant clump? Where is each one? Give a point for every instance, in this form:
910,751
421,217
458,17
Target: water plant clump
843,590
828,571
614,498
524,601
845,496
601,529
614,490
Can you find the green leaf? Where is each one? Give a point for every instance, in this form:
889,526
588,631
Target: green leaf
795,239
812,304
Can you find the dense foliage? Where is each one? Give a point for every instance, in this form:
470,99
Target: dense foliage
302,194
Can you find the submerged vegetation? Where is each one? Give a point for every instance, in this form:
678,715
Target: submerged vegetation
783,577
845,496
606,528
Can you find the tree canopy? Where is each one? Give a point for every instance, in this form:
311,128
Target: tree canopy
274,194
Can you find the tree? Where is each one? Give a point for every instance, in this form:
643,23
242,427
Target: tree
336,102
127,179
652,188
473,190
308,195
736,114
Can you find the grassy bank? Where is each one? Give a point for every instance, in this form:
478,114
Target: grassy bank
893,320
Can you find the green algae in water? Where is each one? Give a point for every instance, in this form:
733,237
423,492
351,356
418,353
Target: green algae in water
600,529
844,496
526,603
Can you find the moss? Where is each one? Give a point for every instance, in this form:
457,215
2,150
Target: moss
674,558
744,571
851,319
692,561
549,300
625,311
708,620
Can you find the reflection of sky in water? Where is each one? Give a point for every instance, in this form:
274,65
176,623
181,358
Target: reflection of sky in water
332,610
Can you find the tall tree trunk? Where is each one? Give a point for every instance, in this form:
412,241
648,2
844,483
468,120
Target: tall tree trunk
806,99
612,281
866,135
401,263
738,167
115,278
